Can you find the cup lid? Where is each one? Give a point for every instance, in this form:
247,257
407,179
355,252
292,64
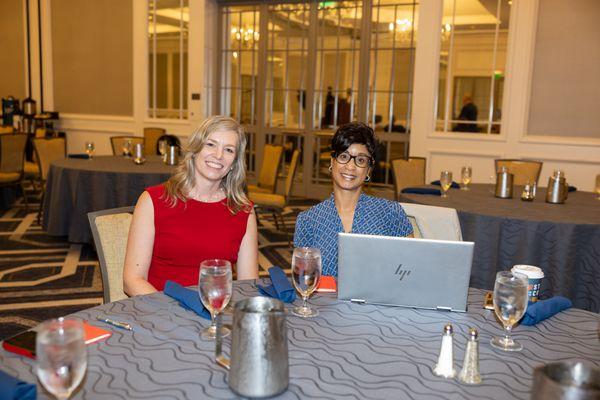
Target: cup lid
531,271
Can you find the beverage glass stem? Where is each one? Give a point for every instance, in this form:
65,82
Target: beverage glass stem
507,331
304,301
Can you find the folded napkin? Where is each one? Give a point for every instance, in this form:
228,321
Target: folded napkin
79,156
280,288
544,309
12,388
188,299
453,185
422,190
572,188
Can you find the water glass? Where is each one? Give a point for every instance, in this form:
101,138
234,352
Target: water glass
598,186
445,182
127,145
215,288
465,175
306,272
162,148
61,356
510,303
89,149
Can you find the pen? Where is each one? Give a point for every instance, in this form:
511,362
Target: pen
117,324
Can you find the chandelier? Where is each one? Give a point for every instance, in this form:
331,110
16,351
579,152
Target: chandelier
244,35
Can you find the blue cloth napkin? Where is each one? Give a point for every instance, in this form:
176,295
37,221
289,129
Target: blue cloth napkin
453,185
79,156
422,190
572,188
12,388
188,299
544,309
280,288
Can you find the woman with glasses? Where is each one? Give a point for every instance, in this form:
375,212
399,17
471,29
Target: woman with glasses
348,209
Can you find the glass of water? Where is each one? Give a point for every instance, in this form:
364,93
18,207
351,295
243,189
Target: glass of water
598,186
162,147
510,303
445,182
89,149
127,145
215,287
61,356
306,272
465,176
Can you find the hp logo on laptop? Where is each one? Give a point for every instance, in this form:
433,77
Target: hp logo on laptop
402,273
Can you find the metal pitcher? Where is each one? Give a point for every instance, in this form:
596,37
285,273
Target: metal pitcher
138,154
259,365
558,189
566,381
172,156
504,184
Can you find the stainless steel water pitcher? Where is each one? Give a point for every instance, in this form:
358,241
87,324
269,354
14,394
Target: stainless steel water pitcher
172,156
566,381
259,365
504,184
558,189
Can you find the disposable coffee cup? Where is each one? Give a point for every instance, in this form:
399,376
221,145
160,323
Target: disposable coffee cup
534,275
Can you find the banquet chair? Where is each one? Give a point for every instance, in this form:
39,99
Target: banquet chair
6,129
151,136
275,203
267,177
408,173
110,229
523,170
47,151
430,222
12,161
117,143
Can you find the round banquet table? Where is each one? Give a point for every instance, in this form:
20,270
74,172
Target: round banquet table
562,239
78,186
349,351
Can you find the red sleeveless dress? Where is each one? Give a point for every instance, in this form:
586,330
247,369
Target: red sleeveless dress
189,233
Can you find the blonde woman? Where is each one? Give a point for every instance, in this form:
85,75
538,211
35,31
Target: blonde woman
201,212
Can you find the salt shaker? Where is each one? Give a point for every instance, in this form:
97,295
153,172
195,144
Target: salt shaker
470,370
445,364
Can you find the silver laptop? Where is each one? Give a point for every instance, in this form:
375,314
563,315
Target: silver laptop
407,272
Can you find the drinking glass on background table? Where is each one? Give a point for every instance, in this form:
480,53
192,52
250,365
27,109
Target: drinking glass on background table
127,145
445,182
598,186
215,287
61,356
465,176
89,149
306,272
162,148
510,303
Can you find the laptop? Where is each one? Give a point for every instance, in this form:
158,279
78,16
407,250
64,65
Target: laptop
398,271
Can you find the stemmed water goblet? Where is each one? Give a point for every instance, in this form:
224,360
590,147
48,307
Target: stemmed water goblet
510,303
306,272
61,356
162,148
89,149
215,288
126,147
465,176
445,182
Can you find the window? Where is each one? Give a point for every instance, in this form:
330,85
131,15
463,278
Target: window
168,58
472,66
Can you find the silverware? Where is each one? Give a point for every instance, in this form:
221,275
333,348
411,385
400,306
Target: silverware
118,324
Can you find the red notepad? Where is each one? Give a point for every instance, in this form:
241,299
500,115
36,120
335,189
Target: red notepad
94,334
327,284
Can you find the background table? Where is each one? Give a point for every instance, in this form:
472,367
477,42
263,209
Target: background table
349,351
76,187
562,239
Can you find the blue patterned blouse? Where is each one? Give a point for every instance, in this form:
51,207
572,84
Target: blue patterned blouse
319,225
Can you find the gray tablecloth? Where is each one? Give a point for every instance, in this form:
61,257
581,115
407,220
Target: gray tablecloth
349,351
76,187
562,239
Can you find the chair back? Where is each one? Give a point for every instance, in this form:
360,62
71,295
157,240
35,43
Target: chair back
523,170
117,143
12,152
430,222
110,229
47,151
289,180
6,129
408,173
267,177
151,136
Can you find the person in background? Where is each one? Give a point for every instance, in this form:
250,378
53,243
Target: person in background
468,112
200,213
348,209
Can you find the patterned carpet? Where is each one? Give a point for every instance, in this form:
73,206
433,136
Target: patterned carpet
45,277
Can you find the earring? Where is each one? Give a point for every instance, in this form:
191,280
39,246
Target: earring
368,178
330,168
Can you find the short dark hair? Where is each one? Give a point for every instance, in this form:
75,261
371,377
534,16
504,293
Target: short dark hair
349,134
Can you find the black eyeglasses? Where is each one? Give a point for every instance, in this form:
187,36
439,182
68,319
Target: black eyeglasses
360,160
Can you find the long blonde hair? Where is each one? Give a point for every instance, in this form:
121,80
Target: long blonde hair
181,183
